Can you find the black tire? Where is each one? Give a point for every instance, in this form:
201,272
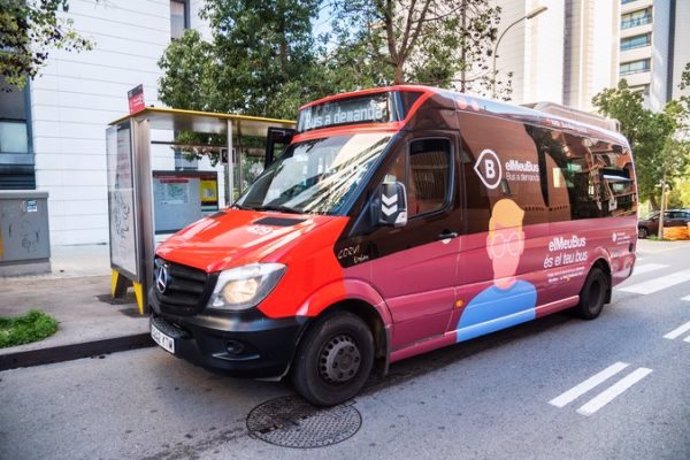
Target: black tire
642,232
593,295
334,359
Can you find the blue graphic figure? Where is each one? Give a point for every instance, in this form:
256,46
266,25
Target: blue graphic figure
508,301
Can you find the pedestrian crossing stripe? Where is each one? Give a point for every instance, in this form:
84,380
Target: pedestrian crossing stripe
646,268
658,284
604,397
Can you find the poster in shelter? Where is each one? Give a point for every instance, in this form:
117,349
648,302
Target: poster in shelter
123,242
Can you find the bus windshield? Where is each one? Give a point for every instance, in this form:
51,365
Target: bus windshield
315,176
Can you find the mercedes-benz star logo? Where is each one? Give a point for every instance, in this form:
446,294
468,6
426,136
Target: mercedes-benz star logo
162,279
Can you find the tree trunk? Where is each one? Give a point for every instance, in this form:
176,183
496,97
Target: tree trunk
653,201
399,77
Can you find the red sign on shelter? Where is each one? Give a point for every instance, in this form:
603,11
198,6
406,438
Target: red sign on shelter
135,97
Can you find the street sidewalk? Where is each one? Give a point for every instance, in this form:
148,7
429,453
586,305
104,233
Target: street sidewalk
77,294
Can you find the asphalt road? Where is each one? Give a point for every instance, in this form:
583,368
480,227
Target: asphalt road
559,387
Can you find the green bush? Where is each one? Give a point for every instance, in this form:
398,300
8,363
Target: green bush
30,327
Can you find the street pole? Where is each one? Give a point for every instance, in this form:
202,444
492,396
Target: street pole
535,12
463,71
229,170
663,207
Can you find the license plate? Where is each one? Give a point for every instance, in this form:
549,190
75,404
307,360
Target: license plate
165,341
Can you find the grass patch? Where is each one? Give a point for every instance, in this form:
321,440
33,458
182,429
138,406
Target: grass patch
30,327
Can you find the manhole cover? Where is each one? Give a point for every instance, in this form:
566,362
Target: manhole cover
292,422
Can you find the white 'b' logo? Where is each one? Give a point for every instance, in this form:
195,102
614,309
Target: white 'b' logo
488,168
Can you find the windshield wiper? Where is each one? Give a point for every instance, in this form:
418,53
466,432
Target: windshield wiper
280,208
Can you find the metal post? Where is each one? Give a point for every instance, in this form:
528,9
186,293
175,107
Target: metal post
463,72
146,246
662,210
240,159
229,170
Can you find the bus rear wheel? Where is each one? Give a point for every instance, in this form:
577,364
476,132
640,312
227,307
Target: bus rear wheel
593,294
334,359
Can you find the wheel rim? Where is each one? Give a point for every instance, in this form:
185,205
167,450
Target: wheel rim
643,233
340,359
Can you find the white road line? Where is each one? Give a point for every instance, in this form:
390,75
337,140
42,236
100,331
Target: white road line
677,332
686,298
577,391
657,284
646,268
687,339
612,392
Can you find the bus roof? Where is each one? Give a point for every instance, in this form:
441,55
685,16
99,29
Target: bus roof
470,103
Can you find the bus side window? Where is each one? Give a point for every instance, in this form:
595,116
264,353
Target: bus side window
428,186
425,171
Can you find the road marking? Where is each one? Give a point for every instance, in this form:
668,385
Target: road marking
578,390
677,332
646,268
612,392
657,284
687,339
686,298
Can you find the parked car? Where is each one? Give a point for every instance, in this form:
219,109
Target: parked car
672,218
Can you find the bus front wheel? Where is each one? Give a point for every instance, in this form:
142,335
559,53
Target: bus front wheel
593,294
334,359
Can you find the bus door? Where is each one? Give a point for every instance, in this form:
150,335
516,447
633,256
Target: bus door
416,271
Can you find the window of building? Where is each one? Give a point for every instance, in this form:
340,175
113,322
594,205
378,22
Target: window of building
14,137
179,18
16,156
644,89
636,18
632,67
636,41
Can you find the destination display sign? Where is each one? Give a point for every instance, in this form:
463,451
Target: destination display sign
363,109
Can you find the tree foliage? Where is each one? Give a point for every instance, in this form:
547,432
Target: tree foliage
261,59
435,42
28,31
264,58
657,138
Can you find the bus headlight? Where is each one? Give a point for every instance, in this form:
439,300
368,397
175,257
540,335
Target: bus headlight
244,287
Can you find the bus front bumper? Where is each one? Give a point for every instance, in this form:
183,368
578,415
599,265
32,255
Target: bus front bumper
257,347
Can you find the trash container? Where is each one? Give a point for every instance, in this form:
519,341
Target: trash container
675,233
24,237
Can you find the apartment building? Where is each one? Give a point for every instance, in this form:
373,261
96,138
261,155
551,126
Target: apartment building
646,48
579,47
655,47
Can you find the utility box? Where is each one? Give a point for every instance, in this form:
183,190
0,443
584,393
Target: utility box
24,237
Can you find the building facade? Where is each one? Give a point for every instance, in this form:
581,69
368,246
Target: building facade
52,134
598,43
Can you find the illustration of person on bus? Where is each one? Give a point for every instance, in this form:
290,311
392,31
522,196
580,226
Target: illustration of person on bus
508,301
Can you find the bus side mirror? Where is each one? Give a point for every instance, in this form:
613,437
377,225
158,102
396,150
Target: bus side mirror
280,136
390,205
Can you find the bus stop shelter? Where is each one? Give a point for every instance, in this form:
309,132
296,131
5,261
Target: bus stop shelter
130,181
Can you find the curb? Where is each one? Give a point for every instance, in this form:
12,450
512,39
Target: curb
74,351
